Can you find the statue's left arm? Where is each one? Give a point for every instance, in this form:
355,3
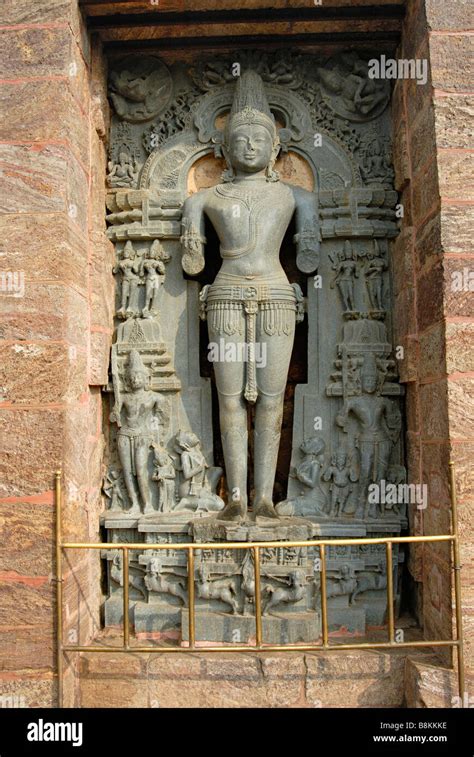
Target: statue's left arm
192,237
308,233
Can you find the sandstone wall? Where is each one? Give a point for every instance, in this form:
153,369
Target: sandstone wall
434,319
55,336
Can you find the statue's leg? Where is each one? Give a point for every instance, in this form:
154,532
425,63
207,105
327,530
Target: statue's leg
272,372
125,293
141,463
124,450
230,381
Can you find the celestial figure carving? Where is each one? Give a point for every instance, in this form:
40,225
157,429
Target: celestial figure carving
341,473
125,172
350,91
153,269
251,299
376,167
379,423
291,593
374,278
129,267
164,472
136,416
140,86
308,472
158,581
346,271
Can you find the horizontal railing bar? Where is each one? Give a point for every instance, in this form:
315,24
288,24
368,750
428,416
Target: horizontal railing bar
263,544
266,648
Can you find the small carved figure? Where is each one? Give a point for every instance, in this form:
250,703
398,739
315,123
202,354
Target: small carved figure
114,489
376,167
140,86
135,415
374,279
129,268
353,383
164,583
308,472
125,172
293,590
379,422
153,269
196,492
346,271
219,588
341,473
164,472
353,94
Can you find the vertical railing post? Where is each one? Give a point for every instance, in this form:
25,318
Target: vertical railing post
324,600
258,596
191,608
390,601
59,586
126,585
457,583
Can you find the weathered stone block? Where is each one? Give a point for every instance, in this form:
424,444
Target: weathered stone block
451,62
41,373
26,531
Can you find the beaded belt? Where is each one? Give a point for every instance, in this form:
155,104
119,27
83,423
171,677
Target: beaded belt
224,306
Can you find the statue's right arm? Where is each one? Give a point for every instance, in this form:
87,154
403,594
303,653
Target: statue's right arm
192,236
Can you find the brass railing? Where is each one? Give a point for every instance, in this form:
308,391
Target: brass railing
255,547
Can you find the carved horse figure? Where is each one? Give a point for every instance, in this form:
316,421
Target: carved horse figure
222,589
293,592
157,581
116,574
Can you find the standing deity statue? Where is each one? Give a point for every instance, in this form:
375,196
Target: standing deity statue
153,268
129,267
346,269
379,424
137,416
374,279
165,474
251,299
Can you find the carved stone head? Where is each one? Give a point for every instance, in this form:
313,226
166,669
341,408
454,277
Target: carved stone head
251,143
137,375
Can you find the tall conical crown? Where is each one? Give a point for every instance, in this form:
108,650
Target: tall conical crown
250,104
135,364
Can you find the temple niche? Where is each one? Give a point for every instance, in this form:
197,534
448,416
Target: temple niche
251,197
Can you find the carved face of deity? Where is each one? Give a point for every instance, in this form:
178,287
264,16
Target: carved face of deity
369,383
137,380
341,460
250,148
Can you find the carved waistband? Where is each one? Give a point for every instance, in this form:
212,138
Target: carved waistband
251,293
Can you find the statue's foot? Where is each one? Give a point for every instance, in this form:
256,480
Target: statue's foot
148,510
265,509
233,511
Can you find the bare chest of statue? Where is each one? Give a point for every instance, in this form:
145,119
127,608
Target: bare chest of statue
250,218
